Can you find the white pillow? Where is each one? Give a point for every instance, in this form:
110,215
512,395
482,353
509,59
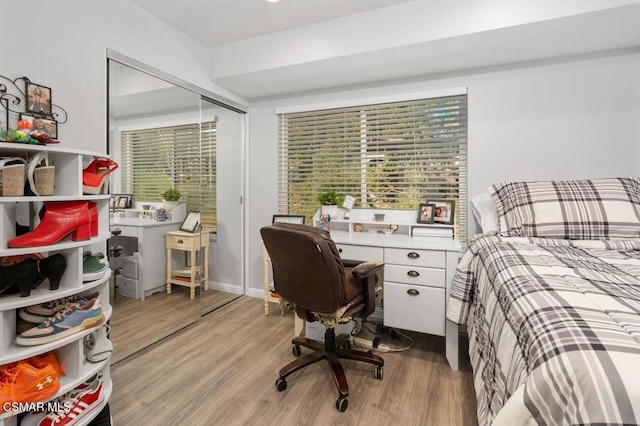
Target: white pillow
485,212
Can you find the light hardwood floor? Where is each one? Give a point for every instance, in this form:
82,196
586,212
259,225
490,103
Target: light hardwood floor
222,371
136,324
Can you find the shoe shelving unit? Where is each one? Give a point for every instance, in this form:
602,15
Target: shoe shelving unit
69,164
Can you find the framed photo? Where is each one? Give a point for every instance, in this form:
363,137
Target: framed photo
191,223
42,125
444,211
120,201
287,218
124,201
426,213
38,99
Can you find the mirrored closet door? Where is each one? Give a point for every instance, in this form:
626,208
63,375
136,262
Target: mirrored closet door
224,129
168,138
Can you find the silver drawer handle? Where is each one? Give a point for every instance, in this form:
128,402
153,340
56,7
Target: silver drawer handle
413,255
413,273
413,292
180,241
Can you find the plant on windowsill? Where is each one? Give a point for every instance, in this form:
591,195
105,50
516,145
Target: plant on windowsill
330,201
171,197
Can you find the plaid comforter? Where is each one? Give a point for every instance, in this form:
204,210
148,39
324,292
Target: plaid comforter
554,329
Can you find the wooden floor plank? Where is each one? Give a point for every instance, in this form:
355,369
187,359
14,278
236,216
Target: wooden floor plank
222,370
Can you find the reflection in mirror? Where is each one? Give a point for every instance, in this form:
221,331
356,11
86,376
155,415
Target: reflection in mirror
221,210
154,137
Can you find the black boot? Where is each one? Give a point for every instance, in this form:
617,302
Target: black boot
53,267
21,277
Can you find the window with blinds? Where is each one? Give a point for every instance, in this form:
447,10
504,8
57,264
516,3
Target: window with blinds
180,157
392,156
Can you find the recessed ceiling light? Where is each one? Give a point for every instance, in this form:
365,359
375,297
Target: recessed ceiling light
273,1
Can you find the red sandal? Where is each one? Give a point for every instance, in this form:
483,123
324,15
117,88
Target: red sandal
95,177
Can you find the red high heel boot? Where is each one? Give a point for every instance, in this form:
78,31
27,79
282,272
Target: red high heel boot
95,177
60,219
93,214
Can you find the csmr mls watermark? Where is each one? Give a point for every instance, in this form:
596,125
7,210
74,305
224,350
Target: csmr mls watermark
51,406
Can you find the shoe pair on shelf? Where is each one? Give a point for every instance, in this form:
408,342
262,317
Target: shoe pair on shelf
70,319
97,346
37,174
71,407
29,271
40,313
61,218
94,267
32,380
95,177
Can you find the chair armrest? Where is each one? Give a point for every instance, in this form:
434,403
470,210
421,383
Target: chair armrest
366,269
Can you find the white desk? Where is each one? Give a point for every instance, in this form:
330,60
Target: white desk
151,250
417,279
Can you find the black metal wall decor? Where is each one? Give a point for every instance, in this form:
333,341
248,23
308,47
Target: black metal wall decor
36,116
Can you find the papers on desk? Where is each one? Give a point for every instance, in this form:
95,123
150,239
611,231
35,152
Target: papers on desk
432,232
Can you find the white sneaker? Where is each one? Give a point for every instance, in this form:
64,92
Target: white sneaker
97,346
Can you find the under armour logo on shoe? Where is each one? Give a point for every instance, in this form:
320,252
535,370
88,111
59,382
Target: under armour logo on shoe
41,386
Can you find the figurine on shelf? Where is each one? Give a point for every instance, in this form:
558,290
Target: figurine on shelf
161,214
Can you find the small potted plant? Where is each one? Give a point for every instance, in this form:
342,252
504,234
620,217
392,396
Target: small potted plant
330,201
171,197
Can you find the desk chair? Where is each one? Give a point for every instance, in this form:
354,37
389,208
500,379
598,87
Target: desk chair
309,274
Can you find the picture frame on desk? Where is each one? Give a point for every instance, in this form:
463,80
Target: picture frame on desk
444,211
426,213
288,218
124,201
191,223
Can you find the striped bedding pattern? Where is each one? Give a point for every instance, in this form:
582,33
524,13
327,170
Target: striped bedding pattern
554,329
574,210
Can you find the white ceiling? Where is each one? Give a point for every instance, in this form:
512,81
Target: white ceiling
260,49
214,22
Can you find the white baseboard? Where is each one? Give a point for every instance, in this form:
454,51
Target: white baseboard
255,292
228,288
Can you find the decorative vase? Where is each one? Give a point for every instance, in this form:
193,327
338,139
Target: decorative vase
170,205
331,211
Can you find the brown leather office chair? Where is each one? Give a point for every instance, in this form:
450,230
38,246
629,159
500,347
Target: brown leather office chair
309,274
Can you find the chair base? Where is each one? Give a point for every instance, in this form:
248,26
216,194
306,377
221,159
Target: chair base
332,353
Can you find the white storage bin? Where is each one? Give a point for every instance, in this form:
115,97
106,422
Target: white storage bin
127,287
130,267
315,330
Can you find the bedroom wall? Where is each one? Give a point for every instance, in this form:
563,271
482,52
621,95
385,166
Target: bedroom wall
567,118
63,45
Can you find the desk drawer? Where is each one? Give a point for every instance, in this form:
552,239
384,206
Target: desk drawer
415,308
180,242
359,253
415,275
426,258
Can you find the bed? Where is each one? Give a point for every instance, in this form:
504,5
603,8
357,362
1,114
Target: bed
551,300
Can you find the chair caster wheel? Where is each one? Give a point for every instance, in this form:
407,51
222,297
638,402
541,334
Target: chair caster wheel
379,373
281,384
342,403
296,350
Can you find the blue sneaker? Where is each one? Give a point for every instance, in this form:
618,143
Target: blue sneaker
71,320
42,312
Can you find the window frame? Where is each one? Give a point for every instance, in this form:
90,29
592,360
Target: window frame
461,169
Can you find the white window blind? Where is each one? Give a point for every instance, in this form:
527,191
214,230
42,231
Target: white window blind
393,155
180,157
